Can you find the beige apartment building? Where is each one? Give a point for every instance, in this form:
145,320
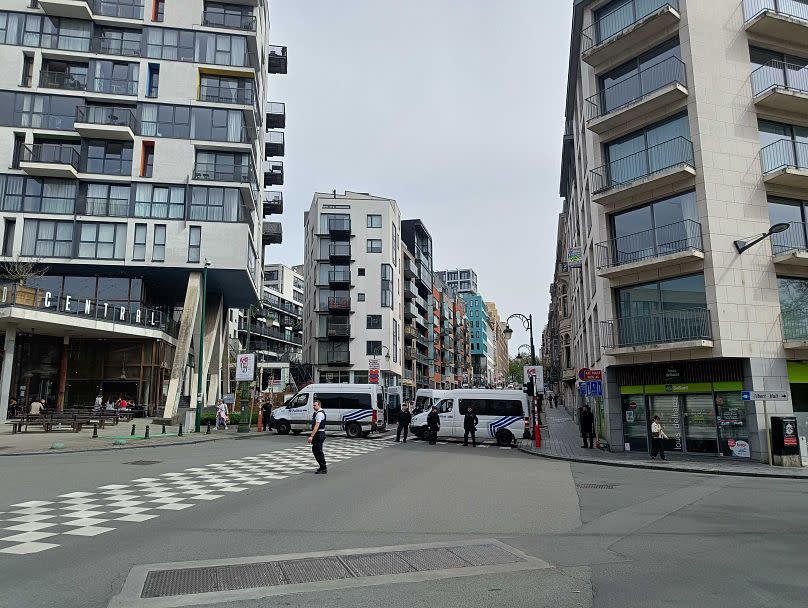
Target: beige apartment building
686,132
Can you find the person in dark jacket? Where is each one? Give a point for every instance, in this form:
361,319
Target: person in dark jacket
433,424
470,423
404,419
266,414
587,419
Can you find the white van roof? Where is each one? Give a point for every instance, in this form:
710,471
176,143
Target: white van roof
345,388
483,393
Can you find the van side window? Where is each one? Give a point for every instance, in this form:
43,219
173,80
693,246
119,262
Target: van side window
329,401
344,401
299,401
493,407
445,406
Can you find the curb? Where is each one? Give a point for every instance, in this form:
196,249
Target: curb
678,469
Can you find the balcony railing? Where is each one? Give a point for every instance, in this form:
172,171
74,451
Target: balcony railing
339,250
339,304
92,205
224,173
276,59
339,276
273,202
61,80
793,239
115,86
789,8
658,328
784,154
338,358
276,115
626,92
338,330
339,225
115,46
795,325
223,94
107,115
642,164
57,154
648,244
113,8
780,74
229,21
620,19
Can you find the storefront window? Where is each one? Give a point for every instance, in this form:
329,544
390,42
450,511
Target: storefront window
733,435
699,423
668,410
635,423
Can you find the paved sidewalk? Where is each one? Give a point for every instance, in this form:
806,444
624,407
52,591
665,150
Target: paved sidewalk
561,440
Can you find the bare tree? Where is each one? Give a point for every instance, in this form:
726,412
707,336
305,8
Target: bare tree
21,270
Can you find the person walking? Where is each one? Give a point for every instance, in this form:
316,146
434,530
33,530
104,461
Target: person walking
317,437
222,415
433,424
266,414
470,422
657,435
404,419
587,421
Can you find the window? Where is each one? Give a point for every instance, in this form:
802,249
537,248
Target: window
374,348
387,286
147,162
793,306
395,341
46,238
225,89
395,245
374,321
217,124
139,252
350,401
223,166
783,145
27,70
115,77
102,241
216,204
361,272
159,249
360,297
165,121
44,111
374,246
158,10
201,47
153,80
117,41
106,200
272,275
195,244
8,236
493,407
374,221
159,201
109,157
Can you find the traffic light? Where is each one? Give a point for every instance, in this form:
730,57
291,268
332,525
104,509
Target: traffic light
529,388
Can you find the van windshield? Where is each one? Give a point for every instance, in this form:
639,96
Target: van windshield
421,404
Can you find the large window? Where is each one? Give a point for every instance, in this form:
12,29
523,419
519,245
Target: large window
216,204
165,121
109,157
201,47
387,286
775,69
38,111
783,145
215,124
226,89
223,166
116,41
161,202
374,246
334,221
37,195
102,241
374,322
794,307
47,239
115,77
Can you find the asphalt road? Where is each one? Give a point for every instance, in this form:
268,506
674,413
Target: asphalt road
637,538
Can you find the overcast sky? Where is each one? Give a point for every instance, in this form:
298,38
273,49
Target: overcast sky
454,108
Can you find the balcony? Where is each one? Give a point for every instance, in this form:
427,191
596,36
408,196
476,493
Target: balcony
115,46
50,160
795,329
49,79
642,175
410,312
629,30
671,330
276,115
117,9
338,359
783,20
338,331
73,9
272,203
339,305
410,269
339,253
276,59
114,86
781,88
339,228
650,92
790,248
410,290
245,23
213,172
339,279
273,173
224,94
106,122
410,353
271,233
274,146
785,163
410,332
652,249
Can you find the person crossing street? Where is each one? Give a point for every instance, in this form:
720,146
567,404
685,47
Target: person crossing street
404,419
317,437
433,424
470,422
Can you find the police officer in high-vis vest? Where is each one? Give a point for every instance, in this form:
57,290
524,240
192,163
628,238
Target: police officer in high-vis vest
317,437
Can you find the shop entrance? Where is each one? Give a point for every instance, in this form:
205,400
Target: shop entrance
688,420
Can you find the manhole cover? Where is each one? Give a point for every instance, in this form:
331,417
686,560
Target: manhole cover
596,486
144,462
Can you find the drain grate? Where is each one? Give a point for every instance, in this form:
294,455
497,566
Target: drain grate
596,486
191,581
144,462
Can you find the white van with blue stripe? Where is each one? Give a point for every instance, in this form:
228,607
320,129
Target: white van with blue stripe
502,415
356,409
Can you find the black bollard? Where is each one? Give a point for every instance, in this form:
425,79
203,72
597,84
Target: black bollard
179,434
208,431
133,430
146,435
95,431
164,429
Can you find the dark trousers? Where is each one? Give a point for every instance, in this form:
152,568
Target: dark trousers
588,435
402,427
657,448
433,435
466,437
317,449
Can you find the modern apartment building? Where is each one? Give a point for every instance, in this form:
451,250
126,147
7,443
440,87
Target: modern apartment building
133,135
482,356
417,310
461,280
353,309
685,138
499,351
286,281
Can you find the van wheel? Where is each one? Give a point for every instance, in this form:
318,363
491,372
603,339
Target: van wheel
296,432
504,438
353,430
283,427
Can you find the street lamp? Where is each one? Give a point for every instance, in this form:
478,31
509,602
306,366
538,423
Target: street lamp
742,246
527,322
199,364
244,389
519,354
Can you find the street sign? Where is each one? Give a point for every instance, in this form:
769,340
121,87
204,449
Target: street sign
594,388
535,373
374,364
764,396
245,367
585,374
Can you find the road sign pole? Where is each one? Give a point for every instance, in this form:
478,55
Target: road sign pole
768,435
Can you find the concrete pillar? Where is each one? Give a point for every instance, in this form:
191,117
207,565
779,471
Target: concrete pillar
186,334
60,395
5,371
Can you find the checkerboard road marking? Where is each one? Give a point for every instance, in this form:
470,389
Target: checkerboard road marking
38,525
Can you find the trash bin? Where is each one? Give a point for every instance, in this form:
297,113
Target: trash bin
785,442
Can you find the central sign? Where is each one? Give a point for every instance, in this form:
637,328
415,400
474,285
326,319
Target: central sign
245,367
588,375
764,396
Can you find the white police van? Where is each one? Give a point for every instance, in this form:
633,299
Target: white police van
357,409
425,398
502,415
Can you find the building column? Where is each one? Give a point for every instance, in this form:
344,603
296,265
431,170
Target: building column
186,334
6,371
60,395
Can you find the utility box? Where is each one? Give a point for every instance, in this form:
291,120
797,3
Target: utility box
785,442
